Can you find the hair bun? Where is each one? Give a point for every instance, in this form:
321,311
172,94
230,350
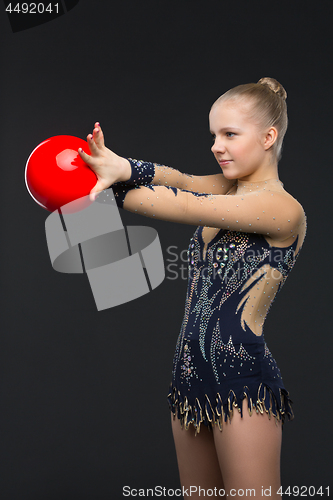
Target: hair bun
274,85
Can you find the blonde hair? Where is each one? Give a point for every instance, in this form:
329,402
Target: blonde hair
269,107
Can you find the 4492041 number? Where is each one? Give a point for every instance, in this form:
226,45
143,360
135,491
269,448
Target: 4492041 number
32,8
304,491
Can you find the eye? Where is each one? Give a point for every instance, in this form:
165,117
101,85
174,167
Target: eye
213,137
230,134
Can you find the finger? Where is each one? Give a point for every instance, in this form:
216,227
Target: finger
85,157
92,145
96,190
99,136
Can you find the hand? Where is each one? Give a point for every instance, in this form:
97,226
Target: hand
108,167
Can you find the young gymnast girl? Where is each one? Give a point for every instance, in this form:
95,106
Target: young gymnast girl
227,397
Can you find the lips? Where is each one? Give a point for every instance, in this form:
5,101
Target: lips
224,162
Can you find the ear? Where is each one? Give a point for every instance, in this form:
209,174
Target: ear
270,137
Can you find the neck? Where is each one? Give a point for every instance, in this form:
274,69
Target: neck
267,170
244,186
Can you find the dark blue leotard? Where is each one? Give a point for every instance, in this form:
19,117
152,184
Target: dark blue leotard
219,361
221,355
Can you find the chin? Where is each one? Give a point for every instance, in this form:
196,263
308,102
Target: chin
230,175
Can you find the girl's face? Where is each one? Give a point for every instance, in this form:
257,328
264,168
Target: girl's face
239,145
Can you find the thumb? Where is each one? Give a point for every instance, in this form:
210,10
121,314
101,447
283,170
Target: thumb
99,186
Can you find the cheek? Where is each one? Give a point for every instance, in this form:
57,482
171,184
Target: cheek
249,150
241,151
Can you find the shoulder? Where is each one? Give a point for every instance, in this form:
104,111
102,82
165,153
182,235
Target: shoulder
294,208
281,212
289,214
281,200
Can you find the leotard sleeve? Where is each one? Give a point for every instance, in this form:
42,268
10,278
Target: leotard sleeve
268,212
144,173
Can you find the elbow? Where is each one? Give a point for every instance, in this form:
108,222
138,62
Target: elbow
183,204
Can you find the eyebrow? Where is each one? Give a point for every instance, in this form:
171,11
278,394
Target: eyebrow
226,129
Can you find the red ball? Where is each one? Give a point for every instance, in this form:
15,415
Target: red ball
55,174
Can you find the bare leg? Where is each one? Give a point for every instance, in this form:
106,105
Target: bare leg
249,451
197,460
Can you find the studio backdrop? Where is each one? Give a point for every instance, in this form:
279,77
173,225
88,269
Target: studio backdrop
83,388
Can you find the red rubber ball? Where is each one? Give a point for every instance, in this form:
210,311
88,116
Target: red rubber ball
56,175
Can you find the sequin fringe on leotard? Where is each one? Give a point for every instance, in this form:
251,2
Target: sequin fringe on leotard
217,412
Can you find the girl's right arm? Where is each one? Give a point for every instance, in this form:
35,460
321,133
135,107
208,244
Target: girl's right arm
209,184
273,214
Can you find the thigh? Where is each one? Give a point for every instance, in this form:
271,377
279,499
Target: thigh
197,459
249,450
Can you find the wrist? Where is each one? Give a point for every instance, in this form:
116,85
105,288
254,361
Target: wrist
126,170
142,172
120,190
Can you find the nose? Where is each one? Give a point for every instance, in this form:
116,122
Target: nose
218,146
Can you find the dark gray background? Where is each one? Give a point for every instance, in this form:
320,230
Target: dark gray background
83,393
